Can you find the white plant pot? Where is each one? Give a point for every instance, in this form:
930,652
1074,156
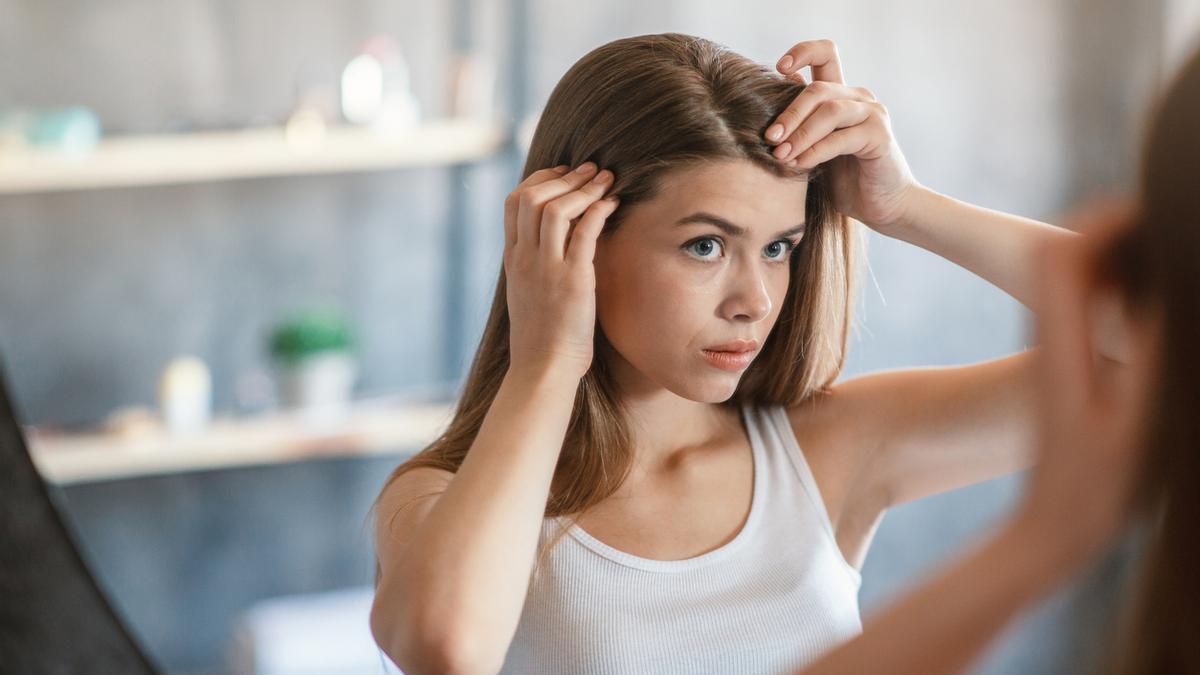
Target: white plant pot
319,386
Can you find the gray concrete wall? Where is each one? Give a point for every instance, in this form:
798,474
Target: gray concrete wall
1022,106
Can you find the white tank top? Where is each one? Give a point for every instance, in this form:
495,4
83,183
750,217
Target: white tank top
771,600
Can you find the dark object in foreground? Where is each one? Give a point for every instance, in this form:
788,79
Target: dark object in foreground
54,618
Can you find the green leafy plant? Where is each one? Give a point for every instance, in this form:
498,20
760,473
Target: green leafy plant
310,332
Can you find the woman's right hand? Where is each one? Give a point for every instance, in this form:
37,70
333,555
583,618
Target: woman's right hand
551,222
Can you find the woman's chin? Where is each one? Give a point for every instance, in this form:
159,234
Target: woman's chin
708,388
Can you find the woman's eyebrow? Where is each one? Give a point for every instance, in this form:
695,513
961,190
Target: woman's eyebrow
728,227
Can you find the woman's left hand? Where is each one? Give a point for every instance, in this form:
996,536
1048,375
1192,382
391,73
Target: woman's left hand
832,122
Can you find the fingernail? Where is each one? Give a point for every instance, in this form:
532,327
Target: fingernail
561,168
783,149
603,177
785,63
586,167
775,132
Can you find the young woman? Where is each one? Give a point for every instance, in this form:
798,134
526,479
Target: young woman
1117,437
656,380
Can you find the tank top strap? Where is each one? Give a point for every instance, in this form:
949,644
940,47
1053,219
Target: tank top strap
780,441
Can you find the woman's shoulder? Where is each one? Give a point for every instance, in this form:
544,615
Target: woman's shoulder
830,431
819,420
844,415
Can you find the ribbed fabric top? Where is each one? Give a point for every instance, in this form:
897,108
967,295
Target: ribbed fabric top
771,600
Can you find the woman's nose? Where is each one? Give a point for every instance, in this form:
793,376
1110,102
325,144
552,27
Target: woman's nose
749,298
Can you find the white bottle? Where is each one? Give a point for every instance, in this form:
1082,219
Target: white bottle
376,89
185,396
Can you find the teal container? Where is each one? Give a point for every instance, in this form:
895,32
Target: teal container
73,130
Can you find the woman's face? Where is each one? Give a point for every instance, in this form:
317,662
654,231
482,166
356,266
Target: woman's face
701,265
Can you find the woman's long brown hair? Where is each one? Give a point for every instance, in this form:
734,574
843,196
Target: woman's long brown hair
1157,263
643,106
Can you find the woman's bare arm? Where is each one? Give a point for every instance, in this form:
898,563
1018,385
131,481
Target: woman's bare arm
926,430
940,428
455,573
998,247
922,431
454,570
1090,442
882,439
936,429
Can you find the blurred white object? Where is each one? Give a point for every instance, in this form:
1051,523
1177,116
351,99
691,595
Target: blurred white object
376,89
320,386
327,633
362,89
185,395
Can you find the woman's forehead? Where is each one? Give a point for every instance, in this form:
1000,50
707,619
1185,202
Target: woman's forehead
738,192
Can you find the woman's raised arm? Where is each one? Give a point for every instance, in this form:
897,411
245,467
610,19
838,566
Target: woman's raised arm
456,550
1090,435
924,430
455,568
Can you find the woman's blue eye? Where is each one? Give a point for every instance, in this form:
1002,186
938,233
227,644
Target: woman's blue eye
702,247
777,251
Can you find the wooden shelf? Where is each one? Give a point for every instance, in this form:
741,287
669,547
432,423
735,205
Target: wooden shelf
126,161
371,428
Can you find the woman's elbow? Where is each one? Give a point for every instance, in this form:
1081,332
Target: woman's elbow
417,647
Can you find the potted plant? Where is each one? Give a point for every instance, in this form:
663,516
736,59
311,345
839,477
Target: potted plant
313,352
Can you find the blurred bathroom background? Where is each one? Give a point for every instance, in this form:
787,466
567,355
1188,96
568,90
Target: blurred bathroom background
199,196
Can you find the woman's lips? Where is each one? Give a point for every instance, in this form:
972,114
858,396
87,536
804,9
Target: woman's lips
731,361
735,345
